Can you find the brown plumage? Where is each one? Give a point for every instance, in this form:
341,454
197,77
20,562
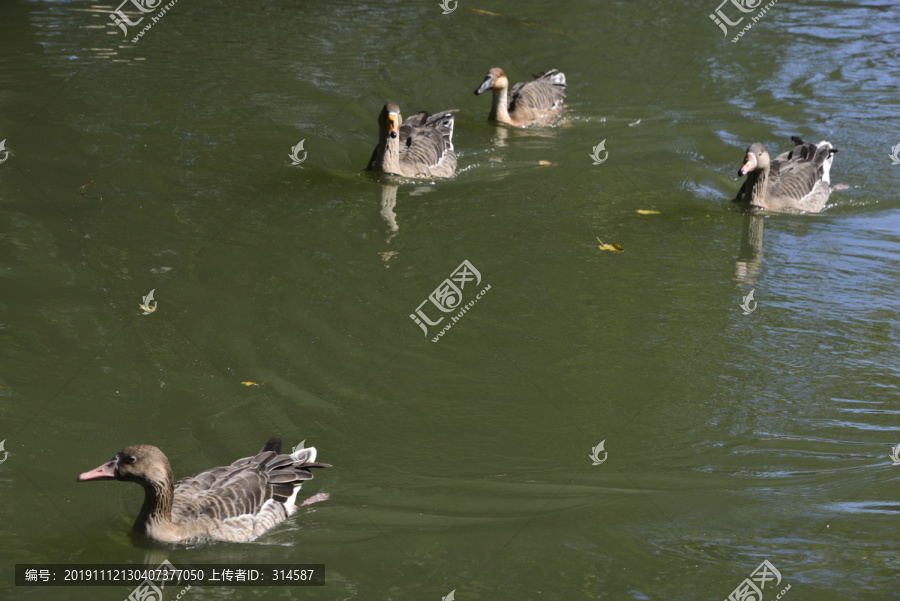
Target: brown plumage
537,102
797,180
236,503
421,146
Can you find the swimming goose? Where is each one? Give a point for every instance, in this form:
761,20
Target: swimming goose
235,503
421,146
797,180
537,102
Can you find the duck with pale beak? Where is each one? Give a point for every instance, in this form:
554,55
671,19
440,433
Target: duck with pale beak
795,181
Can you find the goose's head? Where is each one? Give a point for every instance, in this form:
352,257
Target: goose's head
143,464
757,157
390,120
495,79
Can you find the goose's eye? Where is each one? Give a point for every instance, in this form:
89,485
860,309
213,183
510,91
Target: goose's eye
131,460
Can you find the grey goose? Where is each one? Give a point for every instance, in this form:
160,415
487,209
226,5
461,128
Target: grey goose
797,180
536,102
237,503
421,146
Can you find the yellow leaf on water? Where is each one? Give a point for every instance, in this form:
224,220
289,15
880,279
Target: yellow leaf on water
615,247
487,12
647,212
544,163
250,383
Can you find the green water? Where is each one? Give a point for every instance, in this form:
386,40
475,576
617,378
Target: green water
461,464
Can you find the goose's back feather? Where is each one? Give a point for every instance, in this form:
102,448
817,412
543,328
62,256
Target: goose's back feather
426,145
539,101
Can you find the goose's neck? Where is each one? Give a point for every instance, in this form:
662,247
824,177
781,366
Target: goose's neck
499,108
157,507
759,183
389,159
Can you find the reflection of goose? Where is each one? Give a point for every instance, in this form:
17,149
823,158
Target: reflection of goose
797,180
388,202
537,102
238,502
421,146
750,256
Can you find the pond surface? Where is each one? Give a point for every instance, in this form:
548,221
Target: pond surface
284,294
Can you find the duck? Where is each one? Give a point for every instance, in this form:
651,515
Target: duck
421,146
537,102
236,503
795,181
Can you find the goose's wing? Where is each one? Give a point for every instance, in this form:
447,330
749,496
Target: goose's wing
545,92
240,489
426,144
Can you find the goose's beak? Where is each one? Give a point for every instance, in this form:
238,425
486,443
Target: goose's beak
393,125
486,85
749,164
107,471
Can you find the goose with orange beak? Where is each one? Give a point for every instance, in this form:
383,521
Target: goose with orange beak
795,181
421,146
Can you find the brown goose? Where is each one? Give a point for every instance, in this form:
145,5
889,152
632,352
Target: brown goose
235,503
537,102
797,180
421,146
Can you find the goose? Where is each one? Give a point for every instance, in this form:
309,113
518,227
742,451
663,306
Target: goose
797,180
237,503
421,146
537,102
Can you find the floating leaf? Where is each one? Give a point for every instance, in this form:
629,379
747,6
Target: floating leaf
250,383
647,212
615,247
544,163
